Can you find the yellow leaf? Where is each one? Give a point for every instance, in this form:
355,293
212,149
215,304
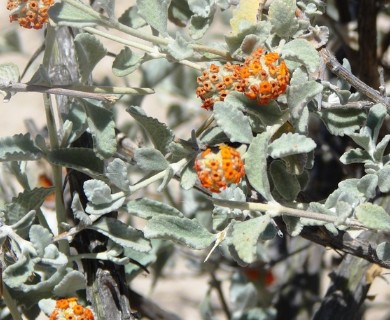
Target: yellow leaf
246,12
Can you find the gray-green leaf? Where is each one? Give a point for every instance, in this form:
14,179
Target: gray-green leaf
65,14
150,159
18,148
89,52
182,230
80,159
290,143
383,251
373,216
147,209
155,13
282,17
72,282
122,234
245,237
126,62
256,165
233,122
102,126
117,172
159,133
285,183
302,52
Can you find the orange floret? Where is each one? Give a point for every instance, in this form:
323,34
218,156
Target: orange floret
263,77
69,309
29,13
219,167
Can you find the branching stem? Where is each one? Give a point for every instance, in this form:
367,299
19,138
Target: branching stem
100,93
276,209
335,67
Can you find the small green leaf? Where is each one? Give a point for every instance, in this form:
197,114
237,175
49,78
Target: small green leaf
80,159
213,136
18,273
72,282
78,119
367,185
233,122
282,17
342,121
40,237
182,230
302,52
89,52
373,216
160,134
24,202
65,14
261,30
375,118
102,127
126,62
188,176
290,143
97,191
256,165
131,18
147,209
199,26
383,251
19,147
285,183
355,156
245,237
180,49
122,234
384,179
118,173
150,159
298,96
9,73
381,147
293,224
78,211
362,139
155,13
101,199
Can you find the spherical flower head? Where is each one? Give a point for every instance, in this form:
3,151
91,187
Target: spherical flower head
29,13
263,77
219,167
69,309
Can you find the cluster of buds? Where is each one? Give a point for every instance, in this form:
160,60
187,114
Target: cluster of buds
69,309
29,13
218,167
263,77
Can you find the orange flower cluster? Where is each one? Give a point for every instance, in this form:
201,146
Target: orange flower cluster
69,309
262,77
217,168
29,13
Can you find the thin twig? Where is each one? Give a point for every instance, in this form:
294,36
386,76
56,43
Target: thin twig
335,67
363,104
95,93
277,210
216,284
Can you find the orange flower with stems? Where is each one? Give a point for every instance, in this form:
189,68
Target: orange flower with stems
219,167
263,77
69,309
31,14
